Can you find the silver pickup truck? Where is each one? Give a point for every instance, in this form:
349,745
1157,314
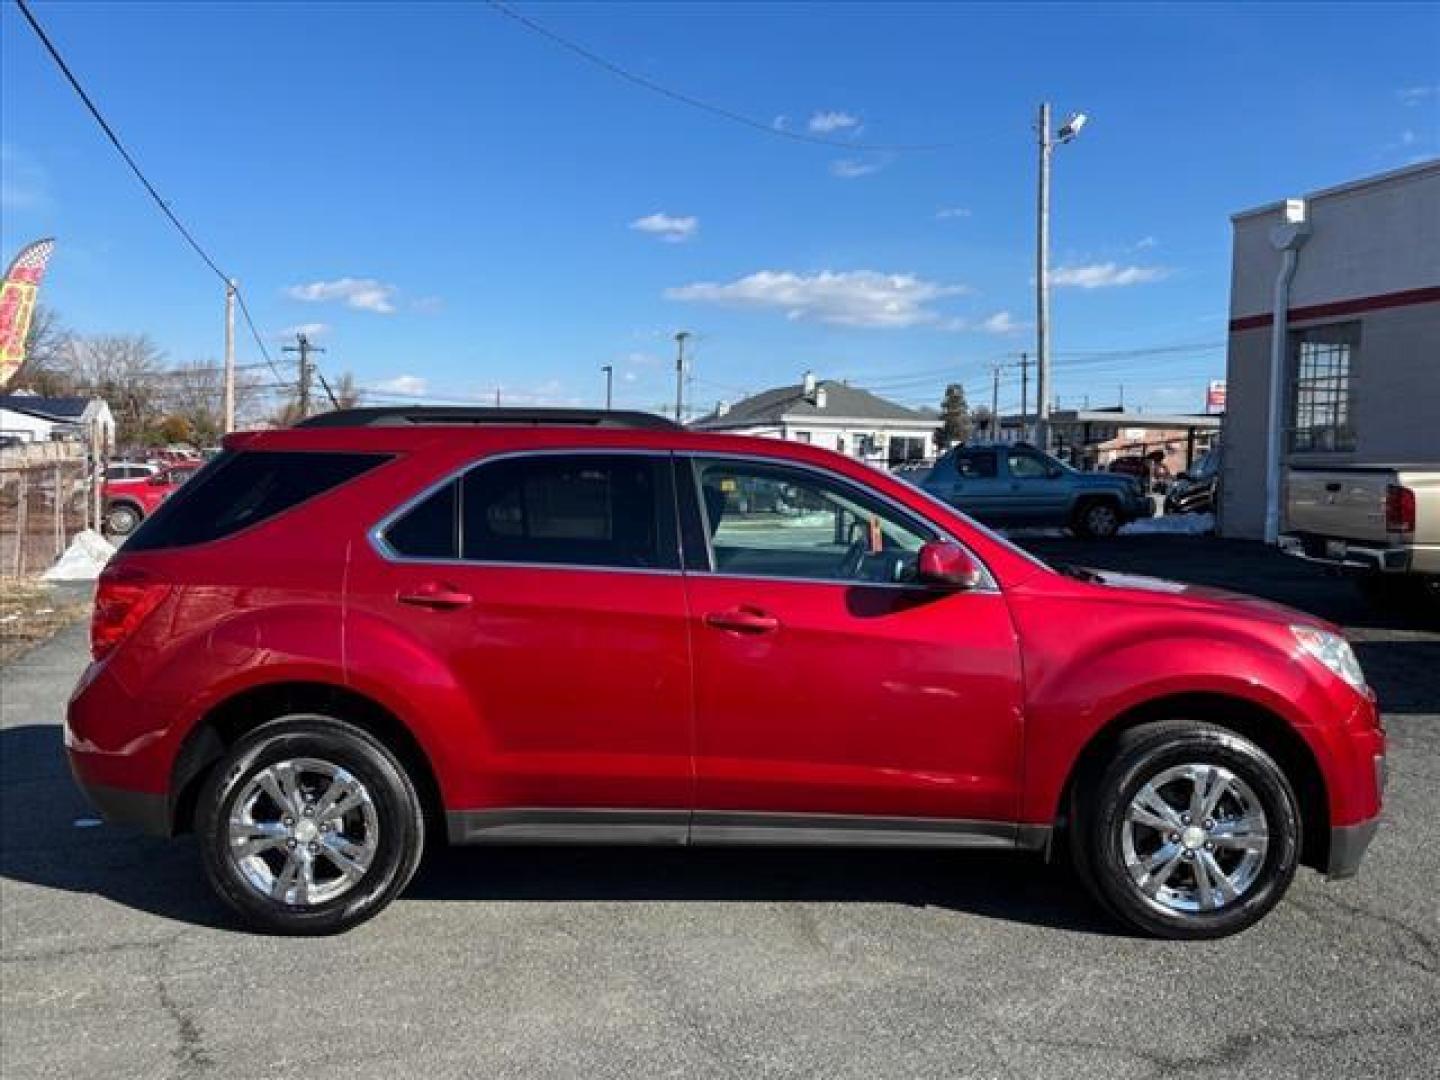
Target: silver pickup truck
1382,521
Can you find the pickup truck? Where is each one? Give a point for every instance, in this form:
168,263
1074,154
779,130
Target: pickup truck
1017,485
1379,521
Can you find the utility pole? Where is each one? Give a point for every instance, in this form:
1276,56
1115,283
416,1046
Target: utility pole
680,338
227,408
304,349
497,397
1025,393
1122,397
609,370
995,369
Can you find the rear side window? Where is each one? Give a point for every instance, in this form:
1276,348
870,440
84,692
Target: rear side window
602,510
238,490
976,464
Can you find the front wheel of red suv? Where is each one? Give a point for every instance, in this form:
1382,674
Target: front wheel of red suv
309,826
1190,831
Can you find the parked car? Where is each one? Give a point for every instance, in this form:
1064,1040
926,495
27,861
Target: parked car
1380,522
1194,491
130,470
385,627
128,500
1016,484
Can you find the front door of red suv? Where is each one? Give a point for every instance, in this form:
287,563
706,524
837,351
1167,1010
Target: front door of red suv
545,588
831,688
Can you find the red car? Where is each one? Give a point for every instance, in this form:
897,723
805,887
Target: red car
130,498
387,626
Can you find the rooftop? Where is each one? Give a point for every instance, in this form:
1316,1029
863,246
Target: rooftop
830,399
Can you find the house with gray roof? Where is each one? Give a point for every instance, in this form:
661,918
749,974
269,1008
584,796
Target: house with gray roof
34,418
831,414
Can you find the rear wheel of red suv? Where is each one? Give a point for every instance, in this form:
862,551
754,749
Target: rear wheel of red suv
1190,831
309,826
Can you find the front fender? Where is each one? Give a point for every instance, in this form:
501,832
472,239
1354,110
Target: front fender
1103,661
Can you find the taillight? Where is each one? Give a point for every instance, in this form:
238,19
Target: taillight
1399,509
124,598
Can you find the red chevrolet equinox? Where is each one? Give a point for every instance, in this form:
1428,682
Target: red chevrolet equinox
387,626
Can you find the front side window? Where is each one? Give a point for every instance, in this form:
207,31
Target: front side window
1027,466
768,520
1322,388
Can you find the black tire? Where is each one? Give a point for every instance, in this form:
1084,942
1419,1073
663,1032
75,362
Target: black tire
121,519
400,838
1097,519
1144,754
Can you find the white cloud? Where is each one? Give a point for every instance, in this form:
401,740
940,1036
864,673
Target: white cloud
1106,275
781,123
850,168
401,384
827,123
950,213
363,294
1145,243
1002,322
1418,95
309,329
848,298
24,184
668,227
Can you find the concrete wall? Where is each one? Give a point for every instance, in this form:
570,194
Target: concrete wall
1369,241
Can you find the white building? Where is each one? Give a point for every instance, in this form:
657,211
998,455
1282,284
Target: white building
833,415
32,418
1355,324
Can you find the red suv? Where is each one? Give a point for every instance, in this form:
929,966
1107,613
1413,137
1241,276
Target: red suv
136,492
495,627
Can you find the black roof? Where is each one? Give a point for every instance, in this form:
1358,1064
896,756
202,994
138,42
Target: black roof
841,400
63,409
402,416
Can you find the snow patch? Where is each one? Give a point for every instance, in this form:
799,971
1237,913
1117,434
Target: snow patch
1171,525
83,559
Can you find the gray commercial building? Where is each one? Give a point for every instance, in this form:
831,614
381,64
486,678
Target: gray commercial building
1359,333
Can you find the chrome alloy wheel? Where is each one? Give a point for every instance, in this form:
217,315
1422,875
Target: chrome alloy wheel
1194,839
303,832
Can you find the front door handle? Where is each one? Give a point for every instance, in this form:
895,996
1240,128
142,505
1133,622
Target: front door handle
437,595
744,620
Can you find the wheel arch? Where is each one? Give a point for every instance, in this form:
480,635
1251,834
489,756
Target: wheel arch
227,721
1266,729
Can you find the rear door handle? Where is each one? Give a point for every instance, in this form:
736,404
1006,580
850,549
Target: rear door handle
743,621
436,595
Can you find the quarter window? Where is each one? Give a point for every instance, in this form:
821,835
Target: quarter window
768,520
976,465
431,529
1322,390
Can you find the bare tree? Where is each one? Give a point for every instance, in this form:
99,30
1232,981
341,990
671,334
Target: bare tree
47,344
125,370
194,392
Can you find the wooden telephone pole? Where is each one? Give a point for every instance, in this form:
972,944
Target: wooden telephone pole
303,347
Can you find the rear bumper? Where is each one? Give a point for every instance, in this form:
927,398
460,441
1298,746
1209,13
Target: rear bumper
1349,556
144,810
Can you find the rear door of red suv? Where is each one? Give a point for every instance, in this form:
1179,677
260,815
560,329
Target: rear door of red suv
547,584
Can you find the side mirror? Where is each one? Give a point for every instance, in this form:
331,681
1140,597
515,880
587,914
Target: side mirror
948,566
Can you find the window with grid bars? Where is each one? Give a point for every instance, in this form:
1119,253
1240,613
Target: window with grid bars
1321,359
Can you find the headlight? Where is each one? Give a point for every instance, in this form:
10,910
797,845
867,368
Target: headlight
1333,651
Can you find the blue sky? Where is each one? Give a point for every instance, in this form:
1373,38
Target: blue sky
456,204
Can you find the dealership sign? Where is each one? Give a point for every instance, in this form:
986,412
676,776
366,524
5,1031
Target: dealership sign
1215,396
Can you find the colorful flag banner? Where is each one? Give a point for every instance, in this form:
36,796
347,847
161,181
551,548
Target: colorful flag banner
17,306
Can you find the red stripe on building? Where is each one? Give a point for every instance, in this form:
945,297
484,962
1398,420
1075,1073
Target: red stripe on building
1342,307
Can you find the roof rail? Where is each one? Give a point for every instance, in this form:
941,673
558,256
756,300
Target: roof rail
402,416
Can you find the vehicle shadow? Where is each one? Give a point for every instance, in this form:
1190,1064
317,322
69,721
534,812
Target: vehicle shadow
42,844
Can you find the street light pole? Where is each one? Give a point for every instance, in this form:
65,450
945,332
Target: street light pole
1067,131
609,383
1042,286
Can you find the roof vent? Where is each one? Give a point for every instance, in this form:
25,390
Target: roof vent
820,397
722,407
809,385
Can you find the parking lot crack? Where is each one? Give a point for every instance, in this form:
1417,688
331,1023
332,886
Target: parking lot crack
189,1053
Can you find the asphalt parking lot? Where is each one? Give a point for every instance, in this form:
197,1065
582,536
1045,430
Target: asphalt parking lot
116,962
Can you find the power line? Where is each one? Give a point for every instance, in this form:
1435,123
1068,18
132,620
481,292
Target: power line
110,134
697,103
